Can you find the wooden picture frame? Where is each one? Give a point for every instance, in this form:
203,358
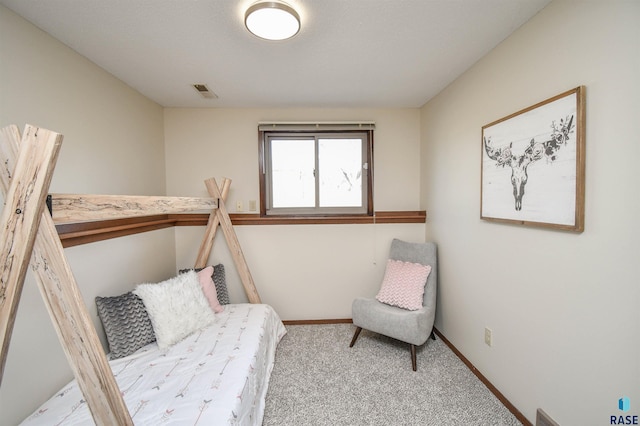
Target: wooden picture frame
533,163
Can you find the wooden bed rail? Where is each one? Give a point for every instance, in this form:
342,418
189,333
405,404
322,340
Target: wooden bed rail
28,234
69,208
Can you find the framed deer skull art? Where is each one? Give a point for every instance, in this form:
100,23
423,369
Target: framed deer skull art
533,165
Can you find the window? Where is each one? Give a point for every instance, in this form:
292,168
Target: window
316,170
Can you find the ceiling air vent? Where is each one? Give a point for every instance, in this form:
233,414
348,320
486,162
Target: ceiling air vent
204,91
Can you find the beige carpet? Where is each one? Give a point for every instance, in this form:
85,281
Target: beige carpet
318,380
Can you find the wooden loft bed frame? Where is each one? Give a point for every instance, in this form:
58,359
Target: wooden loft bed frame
28,234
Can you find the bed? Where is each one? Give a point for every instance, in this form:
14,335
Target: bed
216,376
181,354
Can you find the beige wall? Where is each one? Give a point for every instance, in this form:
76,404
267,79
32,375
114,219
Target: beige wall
113,143
304,271
223,142
563,307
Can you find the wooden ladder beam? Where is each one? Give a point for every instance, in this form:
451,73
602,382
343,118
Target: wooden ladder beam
66,306
232,242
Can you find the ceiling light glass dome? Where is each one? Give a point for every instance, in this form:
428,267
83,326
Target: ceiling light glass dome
272,20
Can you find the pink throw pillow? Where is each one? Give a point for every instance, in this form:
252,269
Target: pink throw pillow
209,289
403,284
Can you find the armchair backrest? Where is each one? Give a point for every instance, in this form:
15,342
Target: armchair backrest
424,254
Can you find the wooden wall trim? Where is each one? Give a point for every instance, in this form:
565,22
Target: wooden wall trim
380,217
73,234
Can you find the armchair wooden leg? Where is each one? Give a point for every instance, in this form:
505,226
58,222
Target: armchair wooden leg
414,363
355,336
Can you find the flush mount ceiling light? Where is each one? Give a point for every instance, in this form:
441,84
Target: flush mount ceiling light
272,20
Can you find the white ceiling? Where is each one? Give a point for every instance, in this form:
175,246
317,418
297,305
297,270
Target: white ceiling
349,53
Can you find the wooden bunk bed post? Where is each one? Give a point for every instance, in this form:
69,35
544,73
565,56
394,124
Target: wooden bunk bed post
25,192
212,226
232,241
64,301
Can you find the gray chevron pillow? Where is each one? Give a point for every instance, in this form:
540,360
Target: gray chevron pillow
126,323
220,281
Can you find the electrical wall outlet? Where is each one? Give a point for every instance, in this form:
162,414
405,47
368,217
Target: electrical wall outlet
239,206
488,339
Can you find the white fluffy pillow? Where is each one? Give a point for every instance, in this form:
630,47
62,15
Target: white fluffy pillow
177,307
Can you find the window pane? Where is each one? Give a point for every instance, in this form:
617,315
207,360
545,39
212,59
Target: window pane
292,165
340,164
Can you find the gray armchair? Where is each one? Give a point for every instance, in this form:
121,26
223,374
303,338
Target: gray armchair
413,327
